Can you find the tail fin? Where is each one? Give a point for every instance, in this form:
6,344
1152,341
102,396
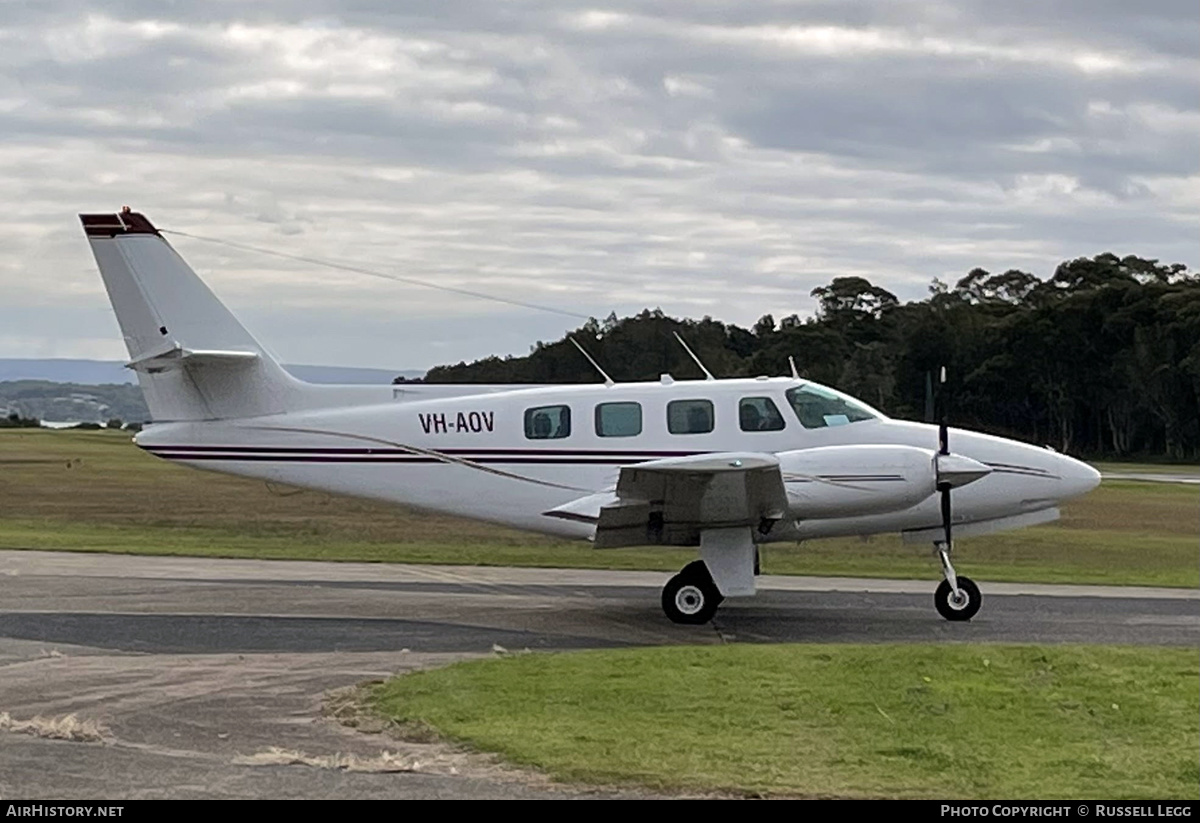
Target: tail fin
193,359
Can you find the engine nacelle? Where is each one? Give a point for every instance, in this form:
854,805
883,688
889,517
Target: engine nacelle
850,481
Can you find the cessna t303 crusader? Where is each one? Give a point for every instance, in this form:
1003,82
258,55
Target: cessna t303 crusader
724,465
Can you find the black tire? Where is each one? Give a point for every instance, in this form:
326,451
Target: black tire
691,597
947,608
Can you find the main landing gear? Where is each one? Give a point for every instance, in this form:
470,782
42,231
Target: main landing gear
956,598
691,596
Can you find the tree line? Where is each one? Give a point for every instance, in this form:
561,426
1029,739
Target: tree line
1102,359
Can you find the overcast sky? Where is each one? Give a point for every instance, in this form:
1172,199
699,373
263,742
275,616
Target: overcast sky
719,158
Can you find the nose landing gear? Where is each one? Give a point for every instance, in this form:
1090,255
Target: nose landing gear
956,598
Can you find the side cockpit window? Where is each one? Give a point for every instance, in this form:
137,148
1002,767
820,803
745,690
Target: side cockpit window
690,416
619,419
548,422
759,414
817,407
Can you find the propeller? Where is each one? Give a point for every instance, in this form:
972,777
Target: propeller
953,470
943,486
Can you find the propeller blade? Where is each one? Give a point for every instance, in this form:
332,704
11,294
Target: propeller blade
943,429
943,450
946,512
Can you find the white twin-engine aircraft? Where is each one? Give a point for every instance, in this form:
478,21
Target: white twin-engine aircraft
720,464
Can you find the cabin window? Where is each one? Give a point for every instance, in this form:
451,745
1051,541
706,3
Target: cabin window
619,419
817,407
759,414
548,422
690,416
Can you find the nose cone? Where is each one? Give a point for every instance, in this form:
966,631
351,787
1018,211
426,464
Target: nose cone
1077,477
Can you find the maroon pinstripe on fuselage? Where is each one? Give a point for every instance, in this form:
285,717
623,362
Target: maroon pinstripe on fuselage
294,454
597,457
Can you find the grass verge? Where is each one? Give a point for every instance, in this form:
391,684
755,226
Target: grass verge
1109,467
937,721
95,491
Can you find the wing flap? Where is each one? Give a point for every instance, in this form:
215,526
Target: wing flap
583,509
670,502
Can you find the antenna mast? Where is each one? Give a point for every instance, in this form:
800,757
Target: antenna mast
608,381
692,354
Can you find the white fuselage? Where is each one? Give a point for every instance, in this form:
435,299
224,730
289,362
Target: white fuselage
474,454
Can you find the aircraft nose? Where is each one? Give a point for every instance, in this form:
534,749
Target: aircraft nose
1077,477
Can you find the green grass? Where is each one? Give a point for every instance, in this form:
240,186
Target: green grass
1108,467
94,491
935,721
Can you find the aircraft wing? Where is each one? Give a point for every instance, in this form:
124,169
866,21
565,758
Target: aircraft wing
669,502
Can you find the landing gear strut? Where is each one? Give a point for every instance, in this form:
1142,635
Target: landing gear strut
956,598
691,596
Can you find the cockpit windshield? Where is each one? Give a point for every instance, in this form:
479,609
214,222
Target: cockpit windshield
818,407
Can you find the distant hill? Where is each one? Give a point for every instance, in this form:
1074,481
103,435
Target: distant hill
88,372
349,374
73,402
100,372
95,391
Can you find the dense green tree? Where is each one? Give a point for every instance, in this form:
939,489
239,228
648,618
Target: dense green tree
16,421
1103,358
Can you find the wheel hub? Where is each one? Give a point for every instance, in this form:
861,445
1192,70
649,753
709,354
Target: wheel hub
689,599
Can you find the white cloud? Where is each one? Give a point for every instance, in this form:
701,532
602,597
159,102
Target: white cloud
712,158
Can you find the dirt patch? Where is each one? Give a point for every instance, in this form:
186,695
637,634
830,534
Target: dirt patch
418,744
434,754
66,727
384,762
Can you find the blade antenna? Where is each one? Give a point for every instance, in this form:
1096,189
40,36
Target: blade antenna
692,354
608,381
792,363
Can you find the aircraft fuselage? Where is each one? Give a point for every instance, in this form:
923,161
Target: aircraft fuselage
476,455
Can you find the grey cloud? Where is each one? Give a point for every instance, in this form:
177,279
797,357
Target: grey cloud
958,125
708,157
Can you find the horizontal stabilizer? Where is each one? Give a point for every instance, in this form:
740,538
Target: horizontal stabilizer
177,357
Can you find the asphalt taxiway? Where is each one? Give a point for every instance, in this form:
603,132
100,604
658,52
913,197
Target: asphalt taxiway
212,678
